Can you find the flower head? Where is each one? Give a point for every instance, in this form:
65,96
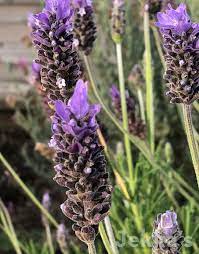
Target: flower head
77,117
118,20
85,25
180,42
167,236
168,222
52,36
176,20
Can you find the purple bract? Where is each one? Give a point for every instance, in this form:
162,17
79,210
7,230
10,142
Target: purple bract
168,223
77,117
176,20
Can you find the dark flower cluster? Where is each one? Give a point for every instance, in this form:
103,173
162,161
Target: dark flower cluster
80,163
52,36
136,125
167,236
84,25
181,44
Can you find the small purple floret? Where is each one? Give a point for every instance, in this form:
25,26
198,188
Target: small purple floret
36,68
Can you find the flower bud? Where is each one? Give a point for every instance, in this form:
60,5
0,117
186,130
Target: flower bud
167,236
118,20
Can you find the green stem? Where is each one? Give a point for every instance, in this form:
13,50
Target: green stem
141,103
193,146
49,239
124,111
91,248
149,83
27,191
105,238
110,234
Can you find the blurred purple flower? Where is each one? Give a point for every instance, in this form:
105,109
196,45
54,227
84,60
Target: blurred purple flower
36,68
168,222
176,20
167,236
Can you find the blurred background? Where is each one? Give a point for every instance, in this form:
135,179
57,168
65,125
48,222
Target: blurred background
25,131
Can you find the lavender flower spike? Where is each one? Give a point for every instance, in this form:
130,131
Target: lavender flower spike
84,25
167,237
180,41
80,163
53,38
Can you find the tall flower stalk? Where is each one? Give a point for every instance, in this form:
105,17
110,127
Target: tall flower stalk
180,41
80,164
149,81
118,27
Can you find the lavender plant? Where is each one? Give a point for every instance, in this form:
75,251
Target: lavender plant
167,236
80,163
180,41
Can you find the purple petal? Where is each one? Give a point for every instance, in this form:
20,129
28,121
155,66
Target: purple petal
177,20
60,7
82,3
36,68
79,101
62,110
